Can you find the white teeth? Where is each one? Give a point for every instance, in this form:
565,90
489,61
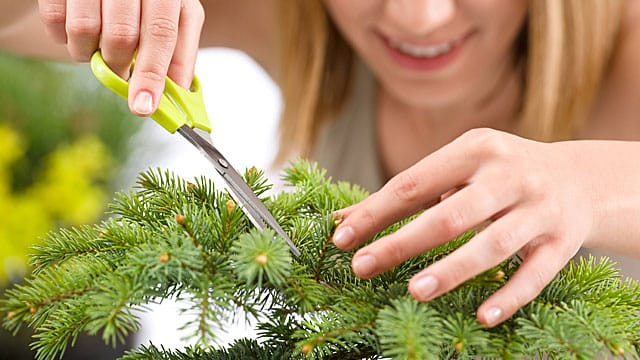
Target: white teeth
424,51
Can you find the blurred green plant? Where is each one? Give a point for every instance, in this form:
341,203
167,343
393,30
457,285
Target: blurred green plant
63,137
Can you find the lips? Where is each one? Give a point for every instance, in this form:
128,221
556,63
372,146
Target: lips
430,51
431,57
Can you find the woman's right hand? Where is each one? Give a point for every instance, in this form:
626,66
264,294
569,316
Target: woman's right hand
165,34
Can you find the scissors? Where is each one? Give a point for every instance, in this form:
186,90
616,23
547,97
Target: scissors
183,111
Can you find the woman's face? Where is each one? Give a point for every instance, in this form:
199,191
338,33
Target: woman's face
433,52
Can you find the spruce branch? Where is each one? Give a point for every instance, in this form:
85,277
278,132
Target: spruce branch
111,314
464,336
338,331
409,330
189,241
206,310
257,257
66,244
241,349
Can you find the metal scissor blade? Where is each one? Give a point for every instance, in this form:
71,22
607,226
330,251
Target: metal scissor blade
239,190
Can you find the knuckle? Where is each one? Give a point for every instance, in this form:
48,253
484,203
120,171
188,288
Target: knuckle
457,274
538,280
394,251
178,72
512,301
121,34
79,56
84,26
478,135
180,65
534,187
369,220
451,223
503,244
497,146
405,187
199,13
516,297
52,14
154,75
163,29
489,142
488,194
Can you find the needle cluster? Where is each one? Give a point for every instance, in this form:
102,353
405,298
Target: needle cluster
175,239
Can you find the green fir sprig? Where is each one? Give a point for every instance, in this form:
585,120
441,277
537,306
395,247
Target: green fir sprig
189,241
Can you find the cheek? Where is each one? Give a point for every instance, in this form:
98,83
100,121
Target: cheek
353,17
503,20
499,28
343,13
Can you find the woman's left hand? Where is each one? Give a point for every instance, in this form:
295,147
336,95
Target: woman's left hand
543,200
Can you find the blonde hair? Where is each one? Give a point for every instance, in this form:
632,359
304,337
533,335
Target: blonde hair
570,43
567,48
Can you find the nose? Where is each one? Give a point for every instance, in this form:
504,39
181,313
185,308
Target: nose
419,16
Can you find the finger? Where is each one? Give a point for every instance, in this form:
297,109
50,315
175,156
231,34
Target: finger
487,249
54,14
410,191
449,193
120,34
536,272
83,28
183,62
463,210
157,44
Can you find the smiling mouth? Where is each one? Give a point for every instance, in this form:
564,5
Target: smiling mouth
421,51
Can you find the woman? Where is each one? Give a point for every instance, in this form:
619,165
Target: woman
446,101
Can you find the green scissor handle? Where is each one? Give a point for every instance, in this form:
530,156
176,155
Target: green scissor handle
178,106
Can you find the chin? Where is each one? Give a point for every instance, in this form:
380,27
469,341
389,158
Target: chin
426,94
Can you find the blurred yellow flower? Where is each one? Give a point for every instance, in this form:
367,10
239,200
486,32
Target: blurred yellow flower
69,190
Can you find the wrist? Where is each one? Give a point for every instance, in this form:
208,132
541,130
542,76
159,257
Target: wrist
613,175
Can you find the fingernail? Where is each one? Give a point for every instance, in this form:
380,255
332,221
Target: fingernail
492,315
343,237
143,103
424,287
364,265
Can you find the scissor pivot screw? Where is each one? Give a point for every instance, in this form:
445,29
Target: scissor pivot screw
223,163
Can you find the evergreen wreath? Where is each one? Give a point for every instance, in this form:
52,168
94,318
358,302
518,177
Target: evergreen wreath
173,238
